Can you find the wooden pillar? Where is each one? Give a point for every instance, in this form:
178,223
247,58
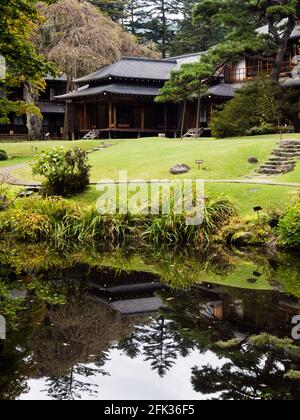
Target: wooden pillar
166,117
143,118
115,116
85,117
70,119
110,115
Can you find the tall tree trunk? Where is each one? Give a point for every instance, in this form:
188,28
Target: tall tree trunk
164,30
282,43
66,120
183,119
198,116
33,121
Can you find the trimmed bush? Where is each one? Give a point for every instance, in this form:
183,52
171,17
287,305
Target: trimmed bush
3,155
289,228
66,171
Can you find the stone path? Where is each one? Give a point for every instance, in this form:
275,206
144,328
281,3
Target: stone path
6,174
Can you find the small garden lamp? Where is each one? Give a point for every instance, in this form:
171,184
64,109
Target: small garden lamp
199,163
257,210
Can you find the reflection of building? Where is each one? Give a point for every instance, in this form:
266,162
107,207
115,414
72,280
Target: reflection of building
128,294
248,309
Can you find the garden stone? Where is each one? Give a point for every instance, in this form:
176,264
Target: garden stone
253,160
180,169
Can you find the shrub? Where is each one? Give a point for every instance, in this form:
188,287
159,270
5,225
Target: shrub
66,171
289,228
3,155
254,105
24,225
268,129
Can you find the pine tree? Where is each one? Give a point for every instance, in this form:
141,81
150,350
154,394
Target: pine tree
162,24
113,8
192,37
134,17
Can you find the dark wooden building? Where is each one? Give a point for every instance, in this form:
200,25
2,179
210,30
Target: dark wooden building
53,111
119,100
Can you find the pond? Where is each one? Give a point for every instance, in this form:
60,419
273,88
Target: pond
152,324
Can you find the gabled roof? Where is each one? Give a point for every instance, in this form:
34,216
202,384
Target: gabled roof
134,68
118,89
223,89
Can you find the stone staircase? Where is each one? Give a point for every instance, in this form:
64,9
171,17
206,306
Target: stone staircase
283,159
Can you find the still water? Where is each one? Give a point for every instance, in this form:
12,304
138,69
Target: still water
154,324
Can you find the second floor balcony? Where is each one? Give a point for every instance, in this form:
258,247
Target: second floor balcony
236,74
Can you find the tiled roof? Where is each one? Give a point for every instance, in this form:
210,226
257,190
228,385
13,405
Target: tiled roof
117,89
134,68
223,89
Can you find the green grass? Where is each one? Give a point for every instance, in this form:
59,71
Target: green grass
249,196
152,158
292,176
29,149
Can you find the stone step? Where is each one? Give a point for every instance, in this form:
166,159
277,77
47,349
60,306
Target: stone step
291,142
280,168
270,172
280,161
289,149
285,154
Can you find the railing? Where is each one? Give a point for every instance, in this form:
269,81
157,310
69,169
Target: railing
249,73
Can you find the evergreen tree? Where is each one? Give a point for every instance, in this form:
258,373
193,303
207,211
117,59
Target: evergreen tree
134,17
161,24
192,37
113,8
241,19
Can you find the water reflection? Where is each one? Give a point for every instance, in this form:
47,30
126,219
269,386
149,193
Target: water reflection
163,325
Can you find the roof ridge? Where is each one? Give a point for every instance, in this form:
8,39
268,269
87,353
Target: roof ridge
153,60
187,55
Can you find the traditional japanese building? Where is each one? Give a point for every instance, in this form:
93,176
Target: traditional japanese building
53,111
119,100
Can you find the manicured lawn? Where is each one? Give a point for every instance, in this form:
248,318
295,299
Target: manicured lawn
29,149
292,176
152,158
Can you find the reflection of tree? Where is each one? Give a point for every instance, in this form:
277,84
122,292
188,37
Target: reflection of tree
130,345
250,372
72,385
249,375
72,346
159,342
159,346
16,363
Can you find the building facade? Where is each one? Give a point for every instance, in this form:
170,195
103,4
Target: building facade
119,100
53,111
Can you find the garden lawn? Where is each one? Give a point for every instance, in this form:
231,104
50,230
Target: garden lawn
152,158
29,149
